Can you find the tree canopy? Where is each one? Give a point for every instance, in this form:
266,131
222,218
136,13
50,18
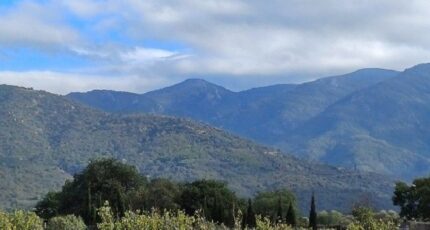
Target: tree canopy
212,197
414,200
102,180
271,203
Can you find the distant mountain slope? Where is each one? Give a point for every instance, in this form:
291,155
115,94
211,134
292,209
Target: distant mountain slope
383,128
284,116
45,138
266,114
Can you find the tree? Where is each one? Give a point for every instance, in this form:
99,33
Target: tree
250,220
279,217
102,180
162,194
48,207
313,214
291,216
210,196
414,200
268,204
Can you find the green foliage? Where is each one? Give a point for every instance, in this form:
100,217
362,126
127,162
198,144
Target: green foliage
212,197
48,207
155,221
414,200
365,219
269,204
313,214
331,218
163,194
291,218
104,179
152,221
68,222
20,220
249,219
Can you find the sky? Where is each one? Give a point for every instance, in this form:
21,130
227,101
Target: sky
140,45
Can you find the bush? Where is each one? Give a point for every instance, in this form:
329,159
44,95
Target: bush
366,219
20,220
69,222
152,220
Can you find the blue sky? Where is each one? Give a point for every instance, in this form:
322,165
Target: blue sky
133,45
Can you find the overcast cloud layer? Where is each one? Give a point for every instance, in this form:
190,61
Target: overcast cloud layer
134,45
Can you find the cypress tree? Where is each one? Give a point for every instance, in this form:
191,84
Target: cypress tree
250,216
205,208
244,219
230,216
313,214
217,211
279,217
291,216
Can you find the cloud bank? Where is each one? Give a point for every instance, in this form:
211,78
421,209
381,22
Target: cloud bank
152,43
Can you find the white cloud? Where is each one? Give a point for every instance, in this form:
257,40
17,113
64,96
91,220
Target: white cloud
145,55
35,25
63,83
239,39
282,37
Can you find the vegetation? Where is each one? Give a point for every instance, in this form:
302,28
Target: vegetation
20,220
361,120
125,190
313,214
366,219
102,180
249,219
307,119
68,222
47,138
414,200
362,219
274,204
203,204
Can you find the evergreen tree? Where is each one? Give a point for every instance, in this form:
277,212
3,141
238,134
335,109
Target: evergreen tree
313,214
230,215
217,211
250,216
244,219
279,217
291,216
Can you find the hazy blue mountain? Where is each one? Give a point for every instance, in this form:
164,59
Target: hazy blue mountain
266,114
46,138
384,128
284,116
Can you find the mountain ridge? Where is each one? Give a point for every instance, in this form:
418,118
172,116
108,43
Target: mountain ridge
341,120
46,138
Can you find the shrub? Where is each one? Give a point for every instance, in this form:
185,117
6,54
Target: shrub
69,222
20,220
365,219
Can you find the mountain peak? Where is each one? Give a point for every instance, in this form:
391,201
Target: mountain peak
420,69
193,84
197,82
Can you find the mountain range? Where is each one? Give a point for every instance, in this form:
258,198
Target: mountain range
374,120
46,138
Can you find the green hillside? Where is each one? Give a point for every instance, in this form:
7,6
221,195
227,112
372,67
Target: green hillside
383,128
45,138
371,120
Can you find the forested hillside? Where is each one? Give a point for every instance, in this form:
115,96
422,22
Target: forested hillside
371,120
46,138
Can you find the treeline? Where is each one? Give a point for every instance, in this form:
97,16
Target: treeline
126,190
111,195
